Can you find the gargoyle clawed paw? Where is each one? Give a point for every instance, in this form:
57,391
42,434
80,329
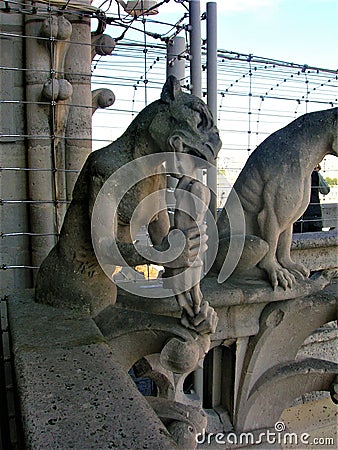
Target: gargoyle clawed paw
297,269
278,275
204,322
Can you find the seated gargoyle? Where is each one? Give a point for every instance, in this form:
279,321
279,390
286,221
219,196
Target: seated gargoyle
71,276
272,192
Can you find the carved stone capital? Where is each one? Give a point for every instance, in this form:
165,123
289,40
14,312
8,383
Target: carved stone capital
102,98
57,89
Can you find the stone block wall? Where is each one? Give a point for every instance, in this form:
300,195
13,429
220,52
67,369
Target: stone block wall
13,216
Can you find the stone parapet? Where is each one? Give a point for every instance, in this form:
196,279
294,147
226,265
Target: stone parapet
72,370
238,304
72,392
317,250
330,214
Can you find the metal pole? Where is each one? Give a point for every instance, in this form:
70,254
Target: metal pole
176,49
176,58
212,89
196,89
195,54
195,47
212,57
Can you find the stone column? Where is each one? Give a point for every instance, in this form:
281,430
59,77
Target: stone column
58,117
39,142
78,73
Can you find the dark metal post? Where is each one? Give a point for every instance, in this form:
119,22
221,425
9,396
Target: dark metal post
195,47
176,58
212,88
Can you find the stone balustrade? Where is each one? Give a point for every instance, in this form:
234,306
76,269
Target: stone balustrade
72,370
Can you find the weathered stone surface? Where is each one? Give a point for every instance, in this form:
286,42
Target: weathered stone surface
142,333
102,44
250,291
58,353
192,201
317,251
279,386
40,327
183,421
237,292
102,98
67,402
179,356
238,304
317,418
14,250
270,362
72,393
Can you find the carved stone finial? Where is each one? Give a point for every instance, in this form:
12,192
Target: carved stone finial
57,89
180,356
102,98
57,27
103,45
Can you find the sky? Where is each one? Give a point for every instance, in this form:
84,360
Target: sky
299,31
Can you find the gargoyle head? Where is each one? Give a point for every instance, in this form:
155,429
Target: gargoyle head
184,124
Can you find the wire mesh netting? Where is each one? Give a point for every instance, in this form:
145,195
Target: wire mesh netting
256,96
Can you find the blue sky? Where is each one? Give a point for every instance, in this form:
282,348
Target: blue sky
299,31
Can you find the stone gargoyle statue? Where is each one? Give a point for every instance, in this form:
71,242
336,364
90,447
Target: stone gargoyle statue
273,190
71,275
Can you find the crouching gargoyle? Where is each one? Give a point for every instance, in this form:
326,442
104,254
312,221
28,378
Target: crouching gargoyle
72,276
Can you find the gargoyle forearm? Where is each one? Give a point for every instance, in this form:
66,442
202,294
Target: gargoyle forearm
134,254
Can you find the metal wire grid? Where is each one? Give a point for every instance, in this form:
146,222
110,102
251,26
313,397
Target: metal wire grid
256,97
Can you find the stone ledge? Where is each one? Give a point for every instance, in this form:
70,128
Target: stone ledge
72,393
38,327
318,239
231,293
317,251
238,308
81,398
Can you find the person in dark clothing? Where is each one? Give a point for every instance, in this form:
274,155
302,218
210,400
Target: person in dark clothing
312,220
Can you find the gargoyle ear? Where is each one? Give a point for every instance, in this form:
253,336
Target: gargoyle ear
171,89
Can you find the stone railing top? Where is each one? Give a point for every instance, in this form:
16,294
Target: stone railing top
302,241
230,294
